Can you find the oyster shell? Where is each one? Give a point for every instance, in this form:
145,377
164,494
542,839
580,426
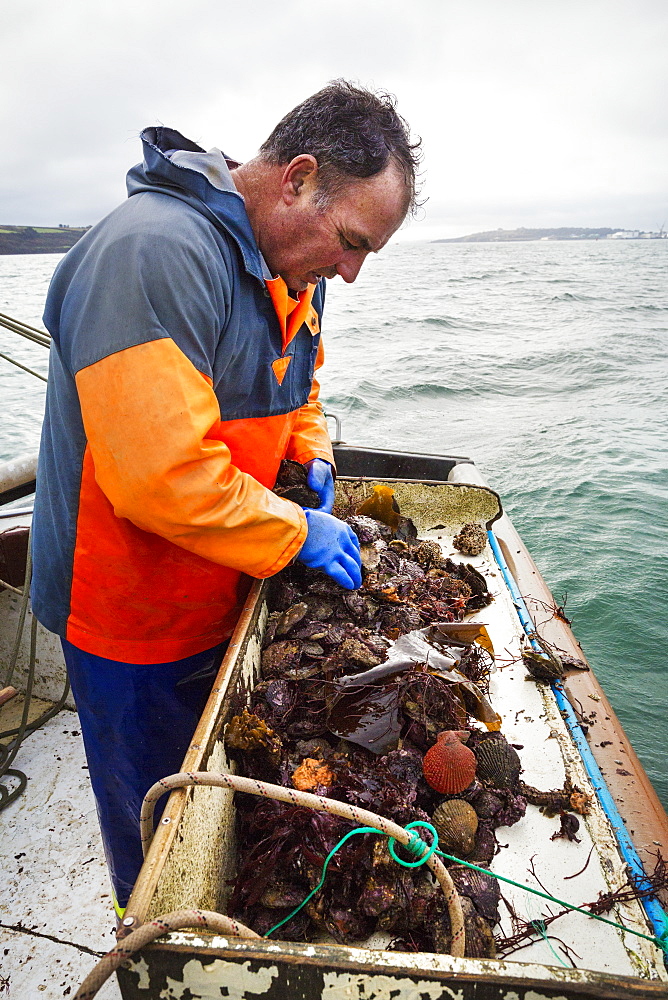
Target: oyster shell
291,617
482,890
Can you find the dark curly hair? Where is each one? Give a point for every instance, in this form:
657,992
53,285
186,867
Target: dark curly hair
352,132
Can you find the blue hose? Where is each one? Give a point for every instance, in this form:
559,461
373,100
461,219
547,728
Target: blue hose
654,911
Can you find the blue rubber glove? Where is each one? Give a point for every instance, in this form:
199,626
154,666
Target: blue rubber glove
332,547
320,479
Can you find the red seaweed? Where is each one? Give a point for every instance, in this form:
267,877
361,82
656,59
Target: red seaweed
356,687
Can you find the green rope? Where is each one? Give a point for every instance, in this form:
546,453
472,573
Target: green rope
361,829
423,851
661,942
541,927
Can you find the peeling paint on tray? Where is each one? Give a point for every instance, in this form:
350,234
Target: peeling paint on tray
531,995
141,969
353,986
206,982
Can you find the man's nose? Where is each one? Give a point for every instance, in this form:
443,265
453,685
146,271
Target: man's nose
351,265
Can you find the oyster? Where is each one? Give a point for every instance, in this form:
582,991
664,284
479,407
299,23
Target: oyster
366,528
291,484
487,805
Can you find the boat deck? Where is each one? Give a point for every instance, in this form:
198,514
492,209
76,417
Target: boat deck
56,915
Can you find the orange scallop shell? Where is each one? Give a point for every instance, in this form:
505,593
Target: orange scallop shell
449,766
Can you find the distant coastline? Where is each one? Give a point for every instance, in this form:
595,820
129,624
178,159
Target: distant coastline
40,239
563,233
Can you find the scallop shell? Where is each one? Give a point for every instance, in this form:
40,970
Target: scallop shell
449,766
456,823
498,763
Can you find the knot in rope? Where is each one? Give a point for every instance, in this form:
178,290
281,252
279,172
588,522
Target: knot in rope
415,846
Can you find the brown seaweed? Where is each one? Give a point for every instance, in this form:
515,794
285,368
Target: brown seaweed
557,800
368,716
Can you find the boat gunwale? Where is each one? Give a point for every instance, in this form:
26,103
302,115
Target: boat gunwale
453,972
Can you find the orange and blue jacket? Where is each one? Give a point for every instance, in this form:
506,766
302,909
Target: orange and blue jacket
181,373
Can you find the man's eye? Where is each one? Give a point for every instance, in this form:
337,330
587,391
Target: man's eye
346,244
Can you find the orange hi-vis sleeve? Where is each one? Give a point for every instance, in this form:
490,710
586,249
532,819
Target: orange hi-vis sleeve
154,432
310,435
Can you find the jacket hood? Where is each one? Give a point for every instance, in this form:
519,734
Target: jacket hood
175,166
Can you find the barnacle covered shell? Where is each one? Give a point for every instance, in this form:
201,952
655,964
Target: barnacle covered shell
471,539
280,656
456,823
310,773
498,763
428,554
449,766
360,654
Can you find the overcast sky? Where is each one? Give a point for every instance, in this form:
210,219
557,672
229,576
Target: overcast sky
532,112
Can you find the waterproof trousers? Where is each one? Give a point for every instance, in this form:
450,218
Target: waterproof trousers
137,721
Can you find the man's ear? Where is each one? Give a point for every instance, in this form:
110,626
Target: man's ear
299,177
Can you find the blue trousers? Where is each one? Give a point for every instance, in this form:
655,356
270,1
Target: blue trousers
137,721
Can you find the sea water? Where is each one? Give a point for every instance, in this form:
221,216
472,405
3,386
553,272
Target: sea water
546,363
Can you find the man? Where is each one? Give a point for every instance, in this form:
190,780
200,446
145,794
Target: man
185,333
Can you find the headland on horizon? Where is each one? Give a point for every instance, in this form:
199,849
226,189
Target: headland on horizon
562,233
39,239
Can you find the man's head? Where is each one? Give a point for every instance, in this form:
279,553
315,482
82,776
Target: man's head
332,183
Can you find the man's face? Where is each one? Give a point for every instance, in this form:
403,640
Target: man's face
308,242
